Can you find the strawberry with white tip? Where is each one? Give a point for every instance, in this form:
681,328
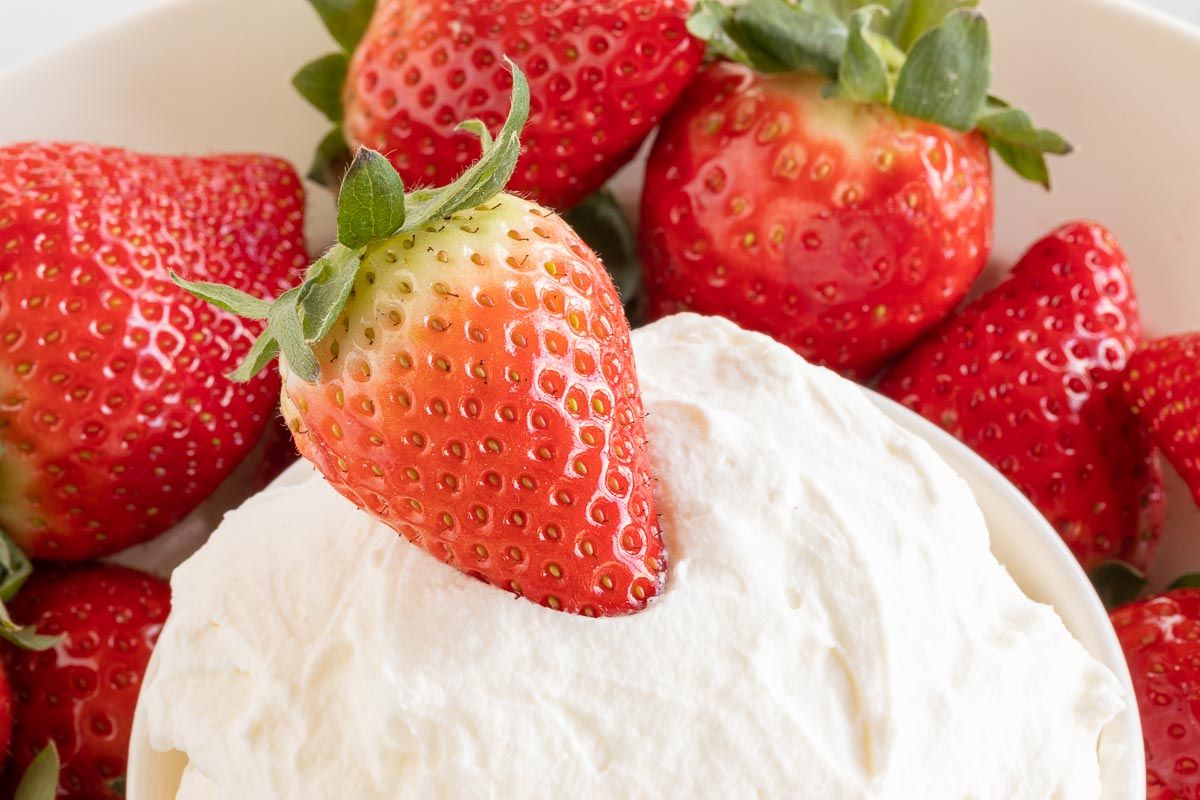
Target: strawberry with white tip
459,365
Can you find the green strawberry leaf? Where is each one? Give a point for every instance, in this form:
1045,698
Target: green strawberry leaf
346,20
863,72
25,637
1191,581
330,159
372,206
488,176
947,74
284,323
327,290
15,567
1117,583
40,781
1020,144
320,82
371,202
262,352
600,222
793,38
912,19
224,297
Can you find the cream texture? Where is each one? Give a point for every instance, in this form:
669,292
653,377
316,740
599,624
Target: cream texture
834,626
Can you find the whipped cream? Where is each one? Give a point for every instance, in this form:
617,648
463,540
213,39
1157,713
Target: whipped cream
834,626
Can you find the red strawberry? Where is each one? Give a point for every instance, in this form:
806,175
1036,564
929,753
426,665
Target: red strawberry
466,377
1029,376
1161,640
1163,384
6,715
116,418
81,694
602,74
842,218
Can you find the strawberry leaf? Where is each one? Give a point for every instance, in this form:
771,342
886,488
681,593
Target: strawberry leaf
15,567
320,83
371,202
1021,145
1191,581
776,36
346,20
284,324
40,781
330,159
262,352
912,19
25,637
947,74
862,73
224,297
326,291
488,176
1117,583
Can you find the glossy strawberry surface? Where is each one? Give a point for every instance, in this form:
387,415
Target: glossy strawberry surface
1163,386
1161,640
843,230
82,693
602,73
1029,376
478,394
116,418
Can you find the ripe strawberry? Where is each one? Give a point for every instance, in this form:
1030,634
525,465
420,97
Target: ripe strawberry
602,75
115,418
1029,376
81,694
465,375
1161,639
844,218
1163,385
6,715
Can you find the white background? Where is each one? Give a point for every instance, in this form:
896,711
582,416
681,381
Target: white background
29,27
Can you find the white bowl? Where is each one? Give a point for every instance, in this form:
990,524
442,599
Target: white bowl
212,75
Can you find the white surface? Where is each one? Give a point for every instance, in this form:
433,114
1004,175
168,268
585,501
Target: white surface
30,27
833,620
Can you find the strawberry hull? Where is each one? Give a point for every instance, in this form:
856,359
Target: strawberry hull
843,230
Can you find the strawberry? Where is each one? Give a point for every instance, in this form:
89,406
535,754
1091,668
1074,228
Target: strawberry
1029,376
1163,385
115,419
602,75
81,694
460,366
843,214
6,715
1161,639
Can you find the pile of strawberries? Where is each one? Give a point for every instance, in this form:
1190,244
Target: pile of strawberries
458,364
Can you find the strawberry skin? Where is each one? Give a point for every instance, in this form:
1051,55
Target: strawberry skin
1163,386
478,394
115,415
82,693
602,74
1029,376
6,714
842,230
1161,640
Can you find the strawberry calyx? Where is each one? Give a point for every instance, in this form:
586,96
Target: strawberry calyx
928,59
320,81
372,206
1117,583
40,781
15,569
